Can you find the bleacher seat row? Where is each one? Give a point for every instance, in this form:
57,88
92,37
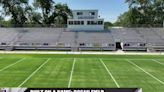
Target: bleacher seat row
127,39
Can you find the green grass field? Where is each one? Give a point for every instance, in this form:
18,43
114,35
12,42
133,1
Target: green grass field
82,71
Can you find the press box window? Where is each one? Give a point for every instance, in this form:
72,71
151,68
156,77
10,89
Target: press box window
88,22
82,22
100,22
93,22
76,22
70,22
92,13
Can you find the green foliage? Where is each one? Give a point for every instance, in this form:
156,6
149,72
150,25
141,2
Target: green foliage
42,12
63,12
1,18
147,13
107,25
51,13
17,9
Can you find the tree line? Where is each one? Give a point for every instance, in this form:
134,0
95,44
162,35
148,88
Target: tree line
147,13
143,13
40,12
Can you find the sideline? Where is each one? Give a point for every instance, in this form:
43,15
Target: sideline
70,52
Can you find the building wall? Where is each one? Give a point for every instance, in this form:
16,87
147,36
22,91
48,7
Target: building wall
85,16
85,26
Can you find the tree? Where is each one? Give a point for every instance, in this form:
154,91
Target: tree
130,19
17,9
46,7
143,12
107,24
62,12
51,13
1,18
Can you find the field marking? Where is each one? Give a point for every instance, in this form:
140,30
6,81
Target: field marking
109,73
145,71
34,72
73,66
11,64
128,59
96,58
157,61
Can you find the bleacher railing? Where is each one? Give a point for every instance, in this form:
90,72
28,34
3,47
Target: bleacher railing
2,25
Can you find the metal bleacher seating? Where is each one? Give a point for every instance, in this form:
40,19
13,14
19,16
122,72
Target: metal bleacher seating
65,39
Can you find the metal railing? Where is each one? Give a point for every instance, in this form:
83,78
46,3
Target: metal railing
4,25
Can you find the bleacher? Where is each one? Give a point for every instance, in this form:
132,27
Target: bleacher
7,38
151,39
129,38
154,38
95,41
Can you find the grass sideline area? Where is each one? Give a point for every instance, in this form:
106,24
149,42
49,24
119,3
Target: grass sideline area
84,71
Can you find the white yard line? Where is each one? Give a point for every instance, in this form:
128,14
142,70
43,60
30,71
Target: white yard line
34,72
157,61
73,66
128,59
145,72
109,73
11,64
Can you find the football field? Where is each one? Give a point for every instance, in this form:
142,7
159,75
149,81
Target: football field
82,71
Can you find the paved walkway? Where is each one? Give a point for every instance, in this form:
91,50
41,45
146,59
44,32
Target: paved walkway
69,52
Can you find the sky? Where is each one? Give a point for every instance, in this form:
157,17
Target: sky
108,9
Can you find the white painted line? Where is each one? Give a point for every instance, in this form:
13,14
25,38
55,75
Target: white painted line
11,64
145,72
128,59
73,66
109,73
157,61
34,72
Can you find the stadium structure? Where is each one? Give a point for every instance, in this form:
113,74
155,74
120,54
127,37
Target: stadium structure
84,32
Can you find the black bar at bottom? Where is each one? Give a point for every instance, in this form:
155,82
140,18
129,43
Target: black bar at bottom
83,90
